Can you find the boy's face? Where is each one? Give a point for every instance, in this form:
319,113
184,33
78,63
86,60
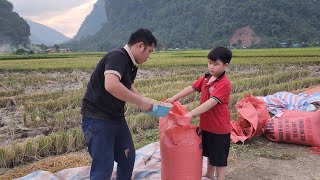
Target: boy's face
216,67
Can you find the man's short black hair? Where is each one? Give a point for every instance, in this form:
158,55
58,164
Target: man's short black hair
221,53
143,35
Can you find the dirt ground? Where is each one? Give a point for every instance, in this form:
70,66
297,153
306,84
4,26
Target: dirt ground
306,167
277,161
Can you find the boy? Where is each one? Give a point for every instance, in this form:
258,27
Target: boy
103,122
215,124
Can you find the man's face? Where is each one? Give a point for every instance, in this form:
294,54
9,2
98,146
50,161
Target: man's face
143,53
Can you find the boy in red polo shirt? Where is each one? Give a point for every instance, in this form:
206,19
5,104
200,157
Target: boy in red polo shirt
215,89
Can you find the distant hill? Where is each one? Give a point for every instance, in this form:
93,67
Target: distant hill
94,21
208,23
41,34
14,30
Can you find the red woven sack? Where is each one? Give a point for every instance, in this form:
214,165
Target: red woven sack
297,127
180,146
252,115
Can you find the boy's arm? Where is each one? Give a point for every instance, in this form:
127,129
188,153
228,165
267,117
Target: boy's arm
210,103
185,92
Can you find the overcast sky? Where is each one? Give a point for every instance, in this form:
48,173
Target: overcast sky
64,16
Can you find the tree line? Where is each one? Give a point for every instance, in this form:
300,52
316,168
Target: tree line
203,24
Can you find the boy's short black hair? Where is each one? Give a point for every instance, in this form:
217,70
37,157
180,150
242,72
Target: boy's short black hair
221,53
143,35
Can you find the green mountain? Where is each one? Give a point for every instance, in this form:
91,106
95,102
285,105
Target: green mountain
208,23
94,21
14,30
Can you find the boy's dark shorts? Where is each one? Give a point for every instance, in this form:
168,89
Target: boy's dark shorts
216,148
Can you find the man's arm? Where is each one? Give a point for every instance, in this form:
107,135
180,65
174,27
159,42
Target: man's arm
113,85
210,103
133,89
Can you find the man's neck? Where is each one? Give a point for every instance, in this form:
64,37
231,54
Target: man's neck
129,51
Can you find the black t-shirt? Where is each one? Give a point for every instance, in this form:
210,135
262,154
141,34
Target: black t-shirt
97,102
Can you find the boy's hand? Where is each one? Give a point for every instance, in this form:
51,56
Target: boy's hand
170,100
189,115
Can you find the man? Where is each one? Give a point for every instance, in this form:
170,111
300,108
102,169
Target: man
104,125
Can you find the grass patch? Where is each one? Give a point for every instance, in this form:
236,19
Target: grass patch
260,147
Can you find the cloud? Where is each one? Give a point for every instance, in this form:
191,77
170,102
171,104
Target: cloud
37,7
61,15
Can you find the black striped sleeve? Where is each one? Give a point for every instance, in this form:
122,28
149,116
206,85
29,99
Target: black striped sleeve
217,99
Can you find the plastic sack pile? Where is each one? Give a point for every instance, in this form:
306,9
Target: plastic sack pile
296,118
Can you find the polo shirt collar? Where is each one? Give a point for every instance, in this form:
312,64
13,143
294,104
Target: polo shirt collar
220,76
126,47
208,75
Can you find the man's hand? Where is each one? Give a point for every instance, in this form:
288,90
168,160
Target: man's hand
146,105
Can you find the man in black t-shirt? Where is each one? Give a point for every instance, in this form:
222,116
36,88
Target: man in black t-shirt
103,122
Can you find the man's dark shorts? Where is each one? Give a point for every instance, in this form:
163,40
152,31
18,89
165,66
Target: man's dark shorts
216,148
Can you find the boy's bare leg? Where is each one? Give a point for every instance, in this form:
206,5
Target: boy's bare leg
210,170
221,173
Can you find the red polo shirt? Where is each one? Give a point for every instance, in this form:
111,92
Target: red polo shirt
217,119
